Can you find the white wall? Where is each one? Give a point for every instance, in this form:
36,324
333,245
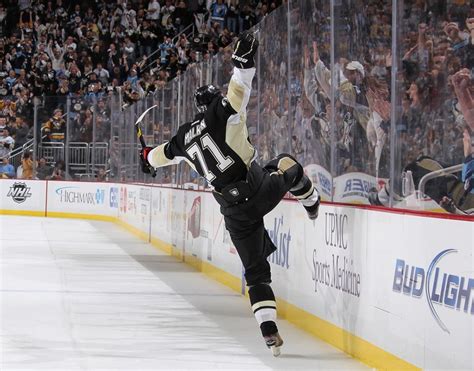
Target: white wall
347,268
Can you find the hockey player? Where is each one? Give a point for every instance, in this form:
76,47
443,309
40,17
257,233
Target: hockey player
216,145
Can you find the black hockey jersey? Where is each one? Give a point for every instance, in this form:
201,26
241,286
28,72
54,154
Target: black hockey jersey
216,143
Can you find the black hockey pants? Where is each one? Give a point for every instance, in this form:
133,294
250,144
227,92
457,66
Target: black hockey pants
244,219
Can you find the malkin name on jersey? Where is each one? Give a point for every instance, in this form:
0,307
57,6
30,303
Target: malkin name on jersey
194,131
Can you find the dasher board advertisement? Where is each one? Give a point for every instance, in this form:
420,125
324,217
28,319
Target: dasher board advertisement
24,195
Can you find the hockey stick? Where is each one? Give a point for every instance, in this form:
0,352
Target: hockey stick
141,138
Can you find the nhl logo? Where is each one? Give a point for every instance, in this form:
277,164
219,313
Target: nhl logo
234,192
19,192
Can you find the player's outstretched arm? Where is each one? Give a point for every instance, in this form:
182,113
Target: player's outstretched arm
157,157
241,82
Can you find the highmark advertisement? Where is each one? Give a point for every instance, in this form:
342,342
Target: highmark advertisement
82,198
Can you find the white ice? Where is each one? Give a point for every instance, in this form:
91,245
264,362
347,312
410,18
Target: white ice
80,295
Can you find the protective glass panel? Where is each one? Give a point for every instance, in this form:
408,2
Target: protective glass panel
275,133
189,82
326,100
435,58
309,53
50,135
164,174
115,109
361,80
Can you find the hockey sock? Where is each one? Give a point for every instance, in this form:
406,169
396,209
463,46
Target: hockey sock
305,192
263,304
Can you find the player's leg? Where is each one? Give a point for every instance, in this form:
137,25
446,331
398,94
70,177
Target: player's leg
263,305
296,181
254,245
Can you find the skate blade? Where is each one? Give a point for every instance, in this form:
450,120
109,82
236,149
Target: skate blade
276,351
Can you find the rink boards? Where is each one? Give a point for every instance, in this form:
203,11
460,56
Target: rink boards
395,290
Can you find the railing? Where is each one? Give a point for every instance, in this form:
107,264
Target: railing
435,174
78,158
185,31
51,152
15,156
85,158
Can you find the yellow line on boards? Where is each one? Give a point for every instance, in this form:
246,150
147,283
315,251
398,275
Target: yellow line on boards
22,212
106,218
209,269
349,343
130,228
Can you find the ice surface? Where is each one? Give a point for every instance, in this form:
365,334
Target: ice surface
80,295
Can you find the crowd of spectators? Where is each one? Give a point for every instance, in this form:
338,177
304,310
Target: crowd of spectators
89,50
434,87
434,83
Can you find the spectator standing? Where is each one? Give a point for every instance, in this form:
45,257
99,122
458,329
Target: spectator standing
129,20
232,15
167,11
129,50
27,166
22,130
102,74
44,170
165,50
153,12
6,142
59,169
113,57
7,170
218,13
55,127
56,54
148,37
96,55
247,18
181,17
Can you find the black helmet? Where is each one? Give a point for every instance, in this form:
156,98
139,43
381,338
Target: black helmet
204,95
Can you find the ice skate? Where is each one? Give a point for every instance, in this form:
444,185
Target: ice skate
274,343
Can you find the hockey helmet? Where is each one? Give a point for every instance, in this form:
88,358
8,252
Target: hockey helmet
204,95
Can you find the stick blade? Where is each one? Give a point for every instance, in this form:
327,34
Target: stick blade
140,119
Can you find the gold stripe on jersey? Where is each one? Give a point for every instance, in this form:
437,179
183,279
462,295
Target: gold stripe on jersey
236,137
235,95
286,163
